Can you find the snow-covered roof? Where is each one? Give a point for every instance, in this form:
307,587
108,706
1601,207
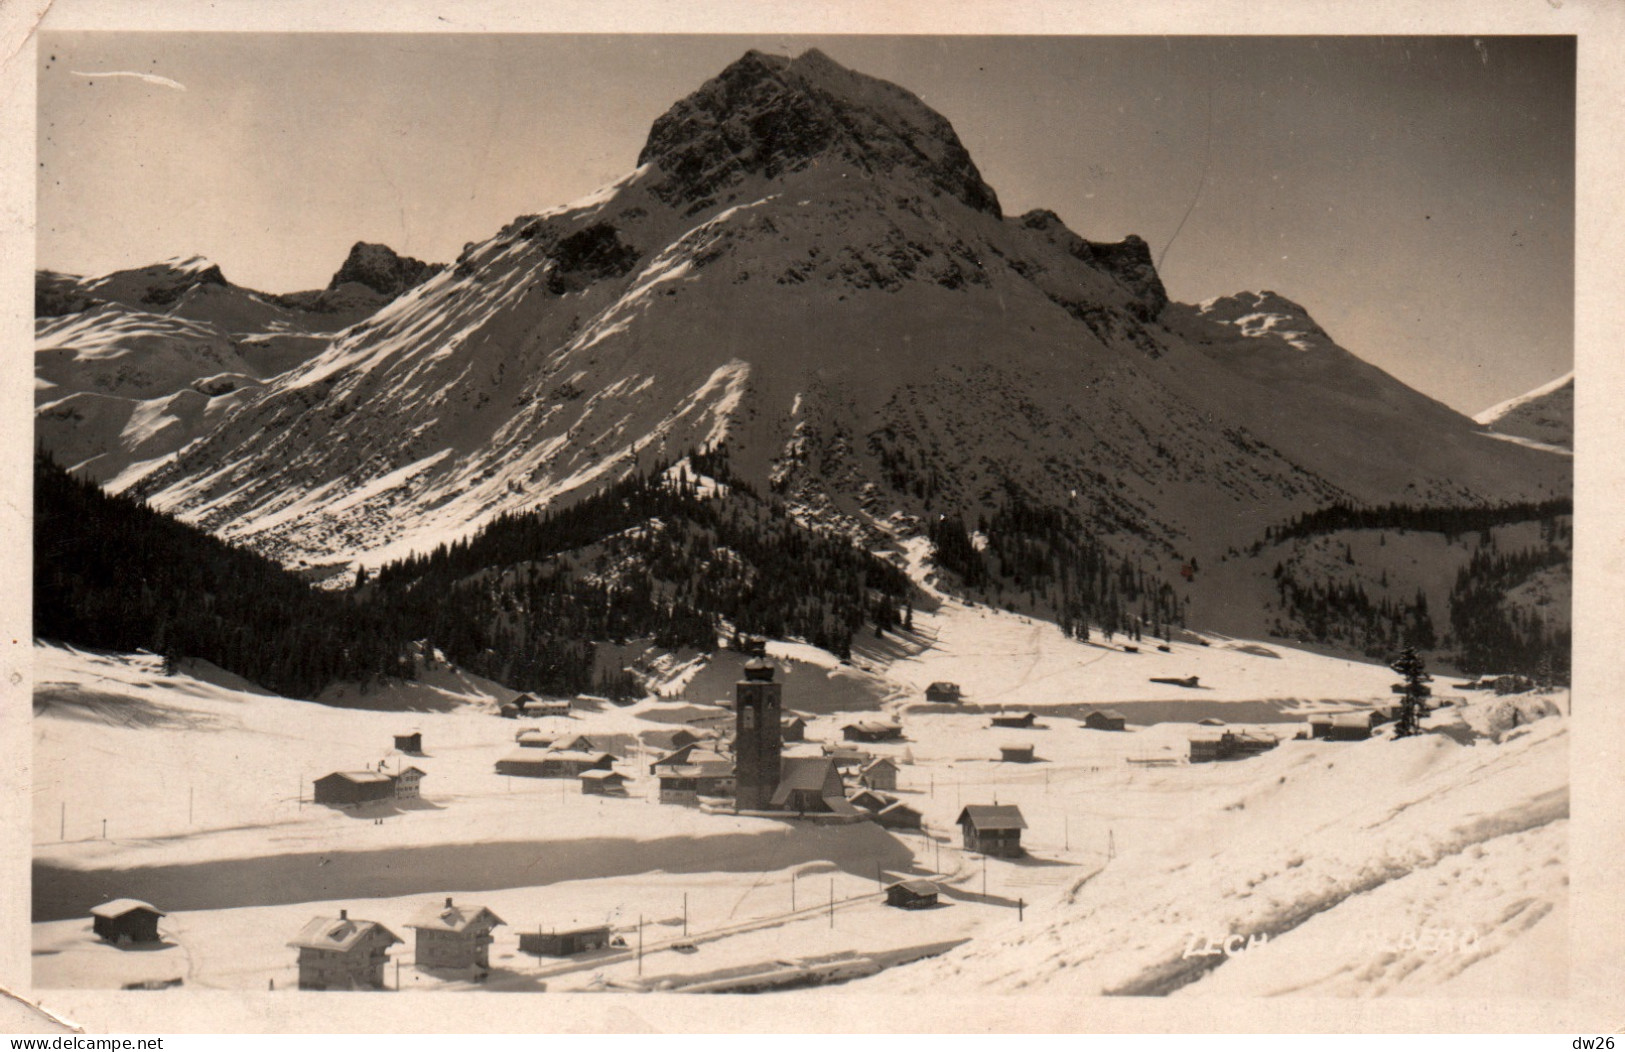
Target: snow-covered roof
119,907
454,918
340,934
357,776
916,887
992,816
602,776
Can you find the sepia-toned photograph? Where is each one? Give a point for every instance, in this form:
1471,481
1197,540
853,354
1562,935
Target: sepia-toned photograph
917,518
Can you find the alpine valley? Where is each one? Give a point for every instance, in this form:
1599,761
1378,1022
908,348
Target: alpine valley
806,279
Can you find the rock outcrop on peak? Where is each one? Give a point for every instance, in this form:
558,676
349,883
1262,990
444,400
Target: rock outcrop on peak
768,116
381,269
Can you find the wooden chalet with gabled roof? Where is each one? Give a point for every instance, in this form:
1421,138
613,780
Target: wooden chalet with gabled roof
692,772
810,785
912,894
899,815
1106,720
1014,719
879,774
871,731
453,936
603,783
345,788
992,829
337,953
409,783
944,692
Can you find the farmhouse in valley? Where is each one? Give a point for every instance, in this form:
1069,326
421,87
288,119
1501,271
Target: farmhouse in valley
898,815
553,763
408,783
992,829
1023,753
565,942
942,691
409,743
1014,719
871,731
343,788
452,936
810,785
1106,720
1230,745
879,774
337,953
692,772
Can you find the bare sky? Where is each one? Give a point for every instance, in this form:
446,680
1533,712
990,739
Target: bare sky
1416,195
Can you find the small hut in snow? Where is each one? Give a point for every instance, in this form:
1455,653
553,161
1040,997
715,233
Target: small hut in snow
912,894
125,921
603,783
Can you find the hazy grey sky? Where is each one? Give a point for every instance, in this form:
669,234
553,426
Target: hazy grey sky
1416,195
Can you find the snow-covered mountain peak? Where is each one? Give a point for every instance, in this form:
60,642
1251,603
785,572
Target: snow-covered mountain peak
1266,313
767,115
1544,415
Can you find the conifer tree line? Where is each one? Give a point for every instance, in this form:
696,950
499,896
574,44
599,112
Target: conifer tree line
1492,636
1450,521
525,601
1342,612
1041,558
111,573
1484,634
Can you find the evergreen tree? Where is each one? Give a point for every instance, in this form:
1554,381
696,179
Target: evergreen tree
1414,704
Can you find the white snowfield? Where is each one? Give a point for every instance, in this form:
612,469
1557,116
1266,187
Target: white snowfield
1432,866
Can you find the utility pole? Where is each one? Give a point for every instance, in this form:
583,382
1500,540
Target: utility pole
792,891
685,913
640,944
104,829
984,878
832,902
1021,909
1111,845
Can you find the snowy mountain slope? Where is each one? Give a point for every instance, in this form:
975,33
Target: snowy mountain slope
144,343
1545,414
807,264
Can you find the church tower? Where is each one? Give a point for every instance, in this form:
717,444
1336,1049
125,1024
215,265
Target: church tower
756,736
